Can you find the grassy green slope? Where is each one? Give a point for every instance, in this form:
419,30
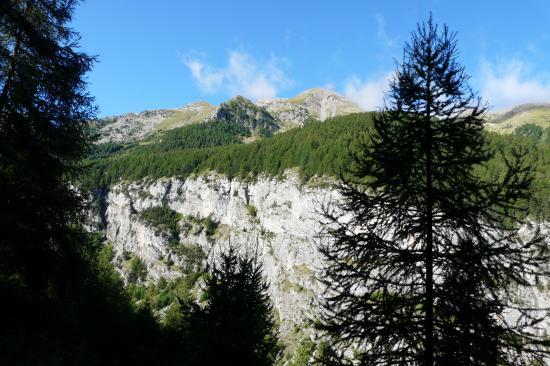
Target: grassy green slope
187,116
507,122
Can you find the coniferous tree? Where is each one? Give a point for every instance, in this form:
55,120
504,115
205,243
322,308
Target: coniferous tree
423,264
469,333
236,327
59,304
44,108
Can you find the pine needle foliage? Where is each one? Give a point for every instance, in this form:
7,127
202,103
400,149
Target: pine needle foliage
422,265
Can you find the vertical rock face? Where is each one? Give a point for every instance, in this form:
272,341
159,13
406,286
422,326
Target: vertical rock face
278,220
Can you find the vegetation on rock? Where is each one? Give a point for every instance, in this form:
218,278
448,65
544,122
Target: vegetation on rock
164,220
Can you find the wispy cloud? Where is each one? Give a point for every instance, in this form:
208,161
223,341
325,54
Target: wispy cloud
505,84
208,80
243,75
368,94
382,35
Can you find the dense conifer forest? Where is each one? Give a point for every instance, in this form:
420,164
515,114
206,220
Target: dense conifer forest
317,149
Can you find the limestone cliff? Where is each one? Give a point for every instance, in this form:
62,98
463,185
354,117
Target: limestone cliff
279,219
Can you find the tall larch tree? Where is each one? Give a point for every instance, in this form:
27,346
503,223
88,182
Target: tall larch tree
424,256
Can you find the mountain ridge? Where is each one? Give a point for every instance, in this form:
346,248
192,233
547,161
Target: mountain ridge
274,114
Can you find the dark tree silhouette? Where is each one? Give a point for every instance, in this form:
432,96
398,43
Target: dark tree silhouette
61,304
236,327
44,108
427,257
469,333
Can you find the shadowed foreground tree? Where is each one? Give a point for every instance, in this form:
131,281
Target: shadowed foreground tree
424,262
44,107
61,303
469,331
236,326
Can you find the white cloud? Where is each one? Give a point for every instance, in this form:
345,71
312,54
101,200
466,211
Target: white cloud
368,94
382,35
209,81
510,83
243,75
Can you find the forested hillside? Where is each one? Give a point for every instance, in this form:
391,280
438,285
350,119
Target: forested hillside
267,230
317,149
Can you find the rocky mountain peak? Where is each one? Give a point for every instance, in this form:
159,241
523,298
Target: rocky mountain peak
317,92
196,106
316,103
243,111
131,126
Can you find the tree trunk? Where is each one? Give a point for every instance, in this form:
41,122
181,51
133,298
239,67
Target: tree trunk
429,316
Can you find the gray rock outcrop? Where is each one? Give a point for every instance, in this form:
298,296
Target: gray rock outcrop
279,220
316,103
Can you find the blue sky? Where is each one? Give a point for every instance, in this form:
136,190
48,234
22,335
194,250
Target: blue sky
167,53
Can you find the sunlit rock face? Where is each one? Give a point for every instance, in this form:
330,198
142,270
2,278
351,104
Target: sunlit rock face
317,103
280,220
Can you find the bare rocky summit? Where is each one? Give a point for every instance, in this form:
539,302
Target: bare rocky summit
316,103
276,115
131,126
